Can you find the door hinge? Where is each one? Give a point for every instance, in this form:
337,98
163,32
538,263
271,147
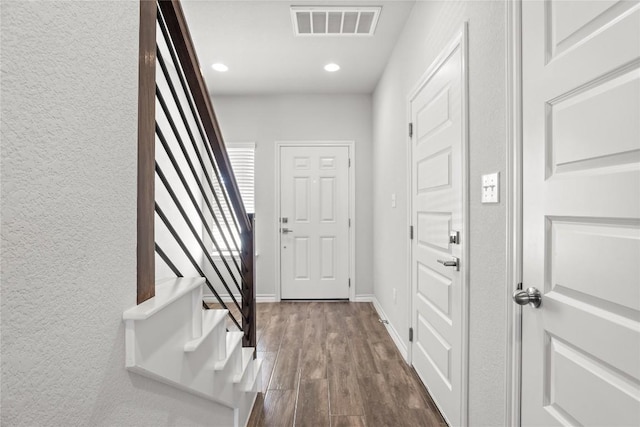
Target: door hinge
410,334
410,130
349,162
411,232
349,282
349,222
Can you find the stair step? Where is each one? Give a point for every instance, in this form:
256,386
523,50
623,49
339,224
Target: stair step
233,341
167,291
210,319
247,357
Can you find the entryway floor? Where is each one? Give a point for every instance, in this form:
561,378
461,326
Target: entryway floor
333,364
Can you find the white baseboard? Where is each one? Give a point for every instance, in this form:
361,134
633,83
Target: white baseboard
265,298
395,336
209,298
363,298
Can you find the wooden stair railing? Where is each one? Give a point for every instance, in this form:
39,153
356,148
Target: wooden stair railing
202,197
146,151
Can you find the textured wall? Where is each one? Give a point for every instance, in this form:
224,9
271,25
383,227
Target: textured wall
267,119
69,107
430,28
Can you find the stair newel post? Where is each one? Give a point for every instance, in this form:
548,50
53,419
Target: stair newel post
146,152
248,283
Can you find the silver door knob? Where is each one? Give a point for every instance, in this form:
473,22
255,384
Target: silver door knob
287,230
450,263
531,296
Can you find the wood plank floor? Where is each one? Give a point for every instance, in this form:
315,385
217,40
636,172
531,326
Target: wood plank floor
333,364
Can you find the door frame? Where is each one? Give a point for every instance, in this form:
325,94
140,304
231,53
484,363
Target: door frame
352,208
513,181
460,39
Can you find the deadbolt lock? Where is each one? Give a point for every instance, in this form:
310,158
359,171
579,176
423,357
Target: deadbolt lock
454,237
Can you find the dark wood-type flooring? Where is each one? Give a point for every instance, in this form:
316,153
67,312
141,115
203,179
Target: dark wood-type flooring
333,364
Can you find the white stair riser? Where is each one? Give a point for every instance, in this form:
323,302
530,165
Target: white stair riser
220,352
196,313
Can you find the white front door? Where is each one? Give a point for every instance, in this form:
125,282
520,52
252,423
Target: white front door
437,263
314,222
581,213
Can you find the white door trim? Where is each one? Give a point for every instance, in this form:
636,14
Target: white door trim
352,207
513,181
459,40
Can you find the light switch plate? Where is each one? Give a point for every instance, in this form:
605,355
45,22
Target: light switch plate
490,187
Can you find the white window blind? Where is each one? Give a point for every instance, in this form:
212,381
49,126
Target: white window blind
242,158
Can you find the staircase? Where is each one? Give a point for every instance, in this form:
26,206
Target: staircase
193,228
172,339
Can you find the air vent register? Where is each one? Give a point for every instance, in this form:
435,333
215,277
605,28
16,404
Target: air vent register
326,21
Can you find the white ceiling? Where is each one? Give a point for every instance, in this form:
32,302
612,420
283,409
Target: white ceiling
255,40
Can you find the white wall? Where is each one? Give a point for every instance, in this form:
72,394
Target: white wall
429,29
69,108
267,119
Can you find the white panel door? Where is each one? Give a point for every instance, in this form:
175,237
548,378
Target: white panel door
314,212
581,213
437,211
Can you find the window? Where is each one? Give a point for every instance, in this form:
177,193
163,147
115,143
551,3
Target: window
242,157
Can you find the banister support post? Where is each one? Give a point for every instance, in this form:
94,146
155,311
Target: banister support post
146,152
248,286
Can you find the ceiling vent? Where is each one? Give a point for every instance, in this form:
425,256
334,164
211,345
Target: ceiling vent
334,21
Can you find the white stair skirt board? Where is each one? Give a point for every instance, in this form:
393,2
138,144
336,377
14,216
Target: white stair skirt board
171,339
395,336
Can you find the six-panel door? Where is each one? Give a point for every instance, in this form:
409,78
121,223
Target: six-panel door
314,227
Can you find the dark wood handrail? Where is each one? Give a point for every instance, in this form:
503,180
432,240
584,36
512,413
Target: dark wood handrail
176,23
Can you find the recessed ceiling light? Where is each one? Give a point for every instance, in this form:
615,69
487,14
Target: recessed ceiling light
220,67
332,67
